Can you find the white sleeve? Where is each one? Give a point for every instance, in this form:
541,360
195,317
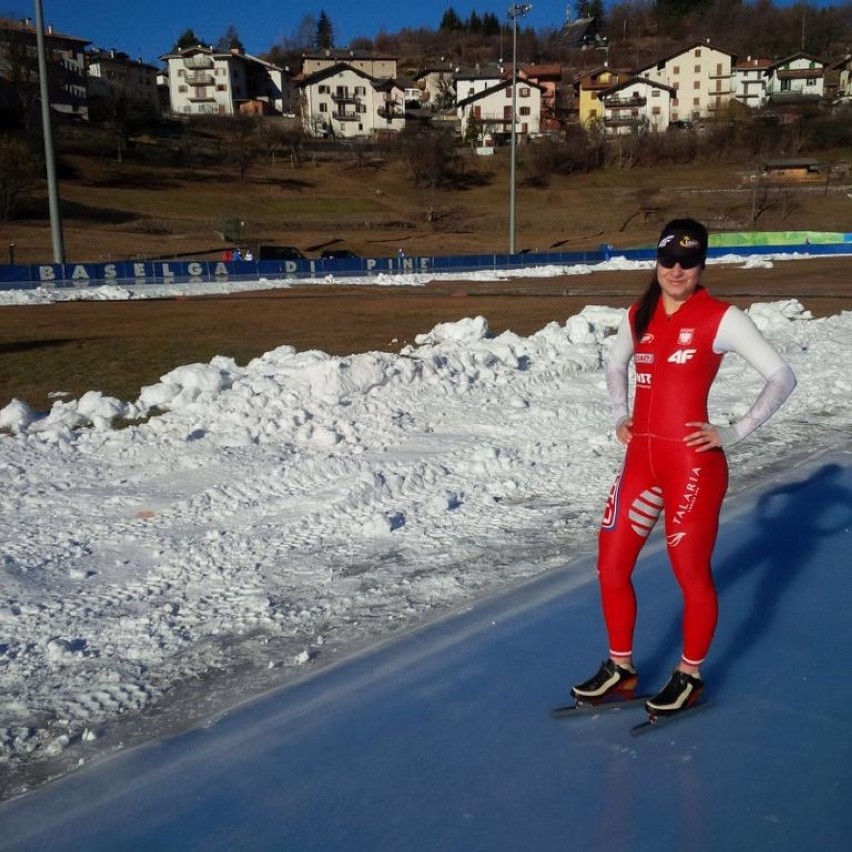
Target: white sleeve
737,333
617,370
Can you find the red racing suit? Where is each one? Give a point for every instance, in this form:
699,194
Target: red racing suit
675,365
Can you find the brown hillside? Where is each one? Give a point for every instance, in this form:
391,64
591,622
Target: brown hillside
366,201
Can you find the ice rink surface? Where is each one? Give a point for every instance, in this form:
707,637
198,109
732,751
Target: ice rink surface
442,739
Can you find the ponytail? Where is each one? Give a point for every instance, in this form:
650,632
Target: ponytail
645,308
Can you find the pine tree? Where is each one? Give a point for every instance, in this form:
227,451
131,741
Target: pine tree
451,22
230,40
490,24
325,33
188,38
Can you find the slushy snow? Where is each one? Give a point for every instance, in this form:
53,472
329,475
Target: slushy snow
257,520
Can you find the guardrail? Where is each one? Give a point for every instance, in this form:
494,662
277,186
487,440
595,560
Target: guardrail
140,273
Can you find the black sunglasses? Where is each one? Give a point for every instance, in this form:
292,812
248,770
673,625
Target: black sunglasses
669,262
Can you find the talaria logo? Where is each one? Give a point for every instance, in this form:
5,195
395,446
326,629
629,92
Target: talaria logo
675,539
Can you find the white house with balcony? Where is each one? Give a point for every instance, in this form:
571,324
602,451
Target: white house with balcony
749,81
700,74
344,102
636,106
491,109
203,81
797,76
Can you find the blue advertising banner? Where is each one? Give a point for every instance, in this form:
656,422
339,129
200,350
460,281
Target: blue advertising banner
140,273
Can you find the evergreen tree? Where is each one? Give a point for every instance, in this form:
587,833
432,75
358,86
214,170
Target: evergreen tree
474,23
325,33
451,22
490,24
590,9
187,39
229,40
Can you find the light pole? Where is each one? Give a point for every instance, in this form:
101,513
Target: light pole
517,10
47,131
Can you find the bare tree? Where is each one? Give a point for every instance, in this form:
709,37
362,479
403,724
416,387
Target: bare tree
18,168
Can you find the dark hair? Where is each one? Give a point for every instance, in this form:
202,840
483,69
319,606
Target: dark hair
645,308
647,303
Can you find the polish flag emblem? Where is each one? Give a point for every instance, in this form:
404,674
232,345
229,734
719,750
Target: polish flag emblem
685,336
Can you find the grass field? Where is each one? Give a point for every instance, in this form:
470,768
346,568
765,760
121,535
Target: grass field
129,210
119,347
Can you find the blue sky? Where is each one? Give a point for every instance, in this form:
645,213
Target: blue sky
147,28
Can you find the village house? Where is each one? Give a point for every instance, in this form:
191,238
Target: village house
700,75
204,81
750,82
375,65
491,110
67,78
836,79
341,101
437,89
798,76
114,73
472,81
548,77
588,88
636,105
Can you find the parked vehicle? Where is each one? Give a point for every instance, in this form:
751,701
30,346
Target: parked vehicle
339,254
279,253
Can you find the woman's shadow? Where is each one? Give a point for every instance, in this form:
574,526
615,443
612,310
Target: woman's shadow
788,522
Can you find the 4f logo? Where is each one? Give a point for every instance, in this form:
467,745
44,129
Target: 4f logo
681,356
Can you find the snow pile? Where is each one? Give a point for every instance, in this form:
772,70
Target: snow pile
259,518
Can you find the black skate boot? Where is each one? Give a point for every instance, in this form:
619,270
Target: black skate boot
611,682
681,692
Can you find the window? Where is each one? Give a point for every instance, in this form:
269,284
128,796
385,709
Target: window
323,107
221,87
655,93
697,53
183,88
676,70
360,90
655,110
696,101
696,84
324,90
811,81
524,92
524,110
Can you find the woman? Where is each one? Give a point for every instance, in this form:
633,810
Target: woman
676,335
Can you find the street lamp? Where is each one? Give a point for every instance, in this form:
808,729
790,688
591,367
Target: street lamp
517,10
47,132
